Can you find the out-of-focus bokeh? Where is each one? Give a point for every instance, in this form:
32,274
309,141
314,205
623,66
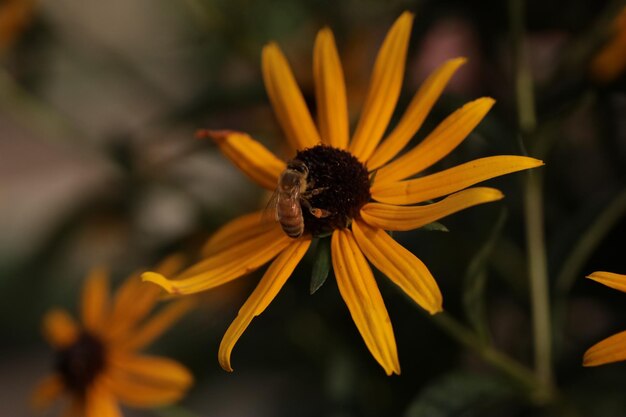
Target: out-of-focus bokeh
99,102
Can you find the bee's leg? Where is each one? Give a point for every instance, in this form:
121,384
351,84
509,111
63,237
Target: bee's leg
314,191
315,212
319,213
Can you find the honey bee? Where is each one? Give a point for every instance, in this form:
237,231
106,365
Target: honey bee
290,195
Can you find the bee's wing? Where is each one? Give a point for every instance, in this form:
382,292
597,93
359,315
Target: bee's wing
270,214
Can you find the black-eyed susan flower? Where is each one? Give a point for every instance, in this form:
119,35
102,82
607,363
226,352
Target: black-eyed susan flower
356,189
610,62
98,363
613,348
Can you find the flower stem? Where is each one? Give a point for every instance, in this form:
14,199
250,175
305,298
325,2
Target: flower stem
533,203
538,274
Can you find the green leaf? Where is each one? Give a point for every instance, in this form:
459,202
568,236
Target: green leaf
476,280
460,394
321,264
434,227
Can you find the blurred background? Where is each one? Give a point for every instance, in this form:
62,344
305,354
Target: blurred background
99,102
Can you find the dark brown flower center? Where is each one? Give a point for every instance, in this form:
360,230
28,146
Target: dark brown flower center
337,187
80,362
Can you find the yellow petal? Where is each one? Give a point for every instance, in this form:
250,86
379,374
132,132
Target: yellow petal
384,89
156,325
439,143
59,329
147,381
125,297
610,279
450,180
399,265
287,101
360,293
138,394
390,217
226,265
611,349
152,369
249,155
330,91
100,402
236,231
271,283
414,116
133,301
95,300
47,391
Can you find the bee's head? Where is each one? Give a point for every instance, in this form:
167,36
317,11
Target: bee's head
298,166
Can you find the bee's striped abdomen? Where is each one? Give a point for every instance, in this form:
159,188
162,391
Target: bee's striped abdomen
290,216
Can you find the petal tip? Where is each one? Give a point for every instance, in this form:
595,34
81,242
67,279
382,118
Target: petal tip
497,195
597,276
407,15
270,48
225,364
486,101
530,162
436,310
593,275
588,361
159,280
325,31
458,61
403,23
394,369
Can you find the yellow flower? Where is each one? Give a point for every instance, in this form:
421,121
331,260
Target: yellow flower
97,362
610,62
343,177
611,349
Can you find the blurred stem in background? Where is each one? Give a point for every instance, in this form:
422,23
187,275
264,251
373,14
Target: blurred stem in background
536,390
588,242
518,372
533,201
31,111
584,247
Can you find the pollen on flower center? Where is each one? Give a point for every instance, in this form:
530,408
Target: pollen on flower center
337,183
80,362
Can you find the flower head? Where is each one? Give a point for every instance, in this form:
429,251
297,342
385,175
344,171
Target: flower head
613,348
353,189
97,361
